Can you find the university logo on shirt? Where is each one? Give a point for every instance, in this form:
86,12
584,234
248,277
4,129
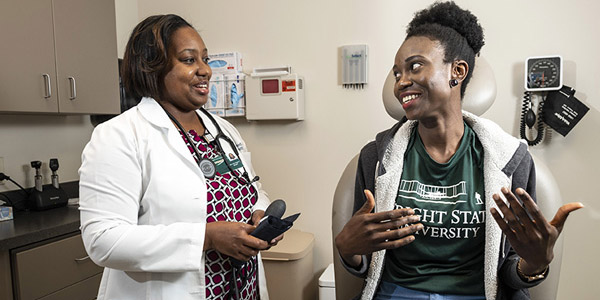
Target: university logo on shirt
420,192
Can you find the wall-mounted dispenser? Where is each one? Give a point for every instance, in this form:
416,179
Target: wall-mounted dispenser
227,94
354,66
274,94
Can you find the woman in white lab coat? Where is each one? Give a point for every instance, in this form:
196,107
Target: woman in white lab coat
167,191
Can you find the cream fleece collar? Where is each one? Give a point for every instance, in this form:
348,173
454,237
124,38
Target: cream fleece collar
499,147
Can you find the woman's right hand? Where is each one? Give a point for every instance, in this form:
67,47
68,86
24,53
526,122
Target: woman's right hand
233,239
368,232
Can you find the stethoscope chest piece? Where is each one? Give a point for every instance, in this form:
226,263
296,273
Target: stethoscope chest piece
208,168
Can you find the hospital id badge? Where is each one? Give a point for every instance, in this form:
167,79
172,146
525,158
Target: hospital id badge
222,168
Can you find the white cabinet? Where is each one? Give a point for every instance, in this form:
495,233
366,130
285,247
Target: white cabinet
58,56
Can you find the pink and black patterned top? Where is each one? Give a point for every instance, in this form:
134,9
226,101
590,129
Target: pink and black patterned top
227,200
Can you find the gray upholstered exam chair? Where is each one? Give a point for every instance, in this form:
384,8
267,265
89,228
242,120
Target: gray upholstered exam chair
479,96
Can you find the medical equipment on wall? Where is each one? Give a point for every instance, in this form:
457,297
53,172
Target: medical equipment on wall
354,66
274,94
556,104
227,85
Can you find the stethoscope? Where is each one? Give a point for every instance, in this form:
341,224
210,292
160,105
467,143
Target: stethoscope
209,170
206,165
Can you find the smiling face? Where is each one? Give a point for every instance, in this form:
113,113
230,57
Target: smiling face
185,85
422,79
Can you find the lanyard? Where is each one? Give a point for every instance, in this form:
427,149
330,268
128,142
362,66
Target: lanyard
245,177
206,165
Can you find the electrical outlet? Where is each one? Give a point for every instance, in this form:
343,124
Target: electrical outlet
2,168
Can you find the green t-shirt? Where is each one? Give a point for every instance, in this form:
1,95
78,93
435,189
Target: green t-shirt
447,255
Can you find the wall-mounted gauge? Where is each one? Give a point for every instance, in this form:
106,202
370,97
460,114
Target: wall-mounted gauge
543,73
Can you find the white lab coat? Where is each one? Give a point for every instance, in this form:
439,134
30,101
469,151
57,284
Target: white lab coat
143,206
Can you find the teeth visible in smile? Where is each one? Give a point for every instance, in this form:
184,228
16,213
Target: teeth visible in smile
408,98
202,85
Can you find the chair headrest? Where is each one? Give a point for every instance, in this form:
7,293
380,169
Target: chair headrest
479,95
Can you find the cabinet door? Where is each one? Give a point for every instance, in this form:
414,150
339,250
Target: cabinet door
48,268
84,290
27,68
5,276
86,56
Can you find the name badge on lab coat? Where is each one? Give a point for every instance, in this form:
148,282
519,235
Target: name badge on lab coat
234,162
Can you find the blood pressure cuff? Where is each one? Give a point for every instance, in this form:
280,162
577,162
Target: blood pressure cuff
273,227
267,230
562,111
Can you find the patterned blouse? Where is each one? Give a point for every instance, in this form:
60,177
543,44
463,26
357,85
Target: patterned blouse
227,200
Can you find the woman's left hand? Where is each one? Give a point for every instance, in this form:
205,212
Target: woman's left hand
528,232
256,216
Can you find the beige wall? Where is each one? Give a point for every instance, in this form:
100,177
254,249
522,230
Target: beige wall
127,17
24,138
302,161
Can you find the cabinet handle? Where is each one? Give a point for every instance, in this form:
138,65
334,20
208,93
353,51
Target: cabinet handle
82,259
48,86
73,88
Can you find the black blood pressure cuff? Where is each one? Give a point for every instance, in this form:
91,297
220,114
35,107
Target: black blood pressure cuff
562,111
268,229
273,227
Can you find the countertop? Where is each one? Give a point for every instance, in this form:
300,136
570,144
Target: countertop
33,226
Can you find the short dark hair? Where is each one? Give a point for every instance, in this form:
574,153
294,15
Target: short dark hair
457,30
145,59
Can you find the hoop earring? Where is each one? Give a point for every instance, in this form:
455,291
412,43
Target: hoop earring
453,83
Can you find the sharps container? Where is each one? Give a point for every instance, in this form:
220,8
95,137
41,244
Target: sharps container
289,267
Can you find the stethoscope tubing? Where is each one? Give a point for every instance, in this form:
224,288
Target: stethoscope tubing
220,149
221,135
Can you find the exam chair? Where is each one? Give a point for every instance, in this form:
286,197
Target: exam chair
479,96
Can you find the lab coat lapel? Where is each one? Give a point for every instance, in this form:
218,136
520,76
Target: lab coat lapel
155,115
208,123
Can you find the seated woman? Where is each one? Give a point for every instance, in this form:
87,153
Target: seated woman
440,227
